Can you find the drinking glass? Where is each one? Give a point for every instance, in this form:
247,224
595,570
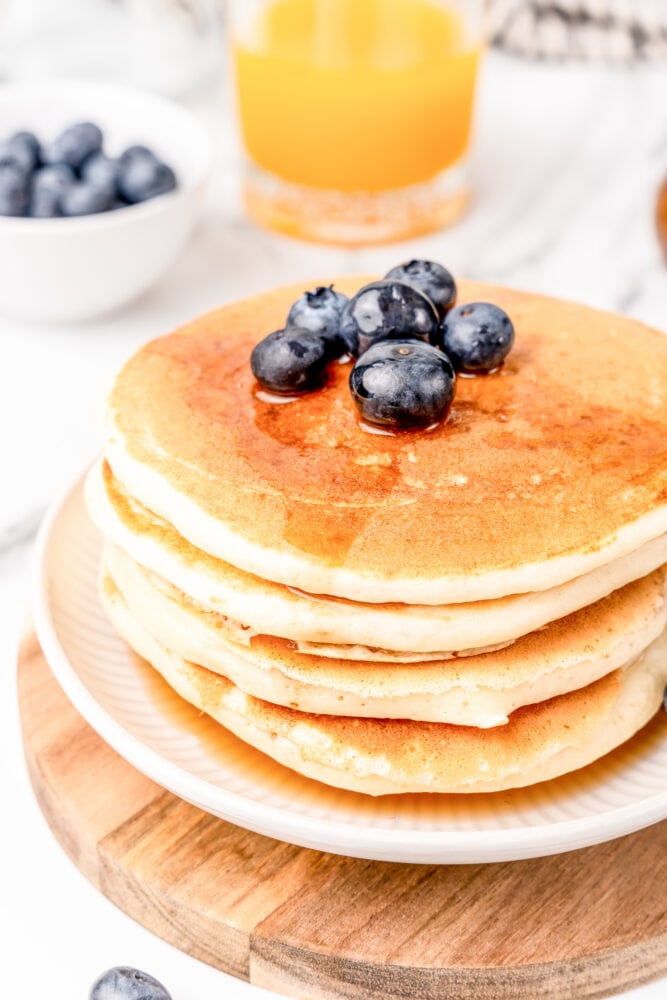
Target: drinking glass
355,114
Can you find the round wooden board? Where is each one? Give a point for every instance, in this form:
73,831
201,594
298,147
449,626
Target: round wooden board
586,924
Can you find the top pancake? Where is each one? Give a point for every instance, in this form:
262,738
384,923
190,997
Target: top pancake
552,466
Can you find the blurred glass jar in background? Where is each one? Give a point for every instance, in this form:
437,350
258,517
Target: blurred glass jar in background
171,46
355,114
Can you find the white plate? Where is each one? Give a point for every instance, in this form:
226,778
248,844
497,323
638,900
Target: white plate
136,712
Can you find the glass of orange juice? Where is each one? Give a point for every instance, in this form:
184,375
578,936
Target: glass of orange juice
355,114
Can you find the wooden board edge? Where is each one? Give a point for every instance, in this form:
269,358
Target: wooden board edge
308,975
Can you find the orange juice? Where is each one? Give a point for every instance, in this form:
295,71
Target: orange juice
356,94
367,102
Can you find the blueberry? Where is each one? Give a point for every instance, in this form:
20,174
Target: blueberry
14,188
143,178
48,185
84,198
320,311
431,278
403,384
477,337
386,310
125,983
102,171
23,147
44,204
291,360
133,153
55,178
75,145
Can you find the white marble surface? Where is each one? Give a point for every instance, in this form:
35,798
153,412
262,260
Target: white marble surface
568,160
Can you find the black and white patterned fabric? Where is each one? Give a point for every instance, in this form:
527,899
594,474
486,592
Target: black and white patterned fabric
610,30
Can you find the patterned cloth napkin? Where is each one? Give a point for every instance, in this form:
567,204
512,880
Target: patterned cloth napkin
610,30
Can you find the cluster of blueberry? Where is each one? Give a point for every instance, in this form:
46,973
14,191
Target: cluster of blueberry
125,983
409,339
73,176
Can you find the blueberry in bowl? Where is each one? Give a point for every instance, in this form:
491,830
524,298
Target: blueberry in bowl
402,384
72,175
102,171
144,178
74,145
23,148
47,189
429,277
134,153
85,198
59,264
477,337
387,310
14,189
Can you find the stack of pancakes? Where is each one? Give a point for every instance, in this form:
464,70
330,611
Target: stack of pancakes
470,608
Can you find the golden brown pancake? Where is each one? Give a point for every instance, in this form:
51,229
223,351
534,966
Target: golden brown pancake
552,466
380,756
474,691
391,632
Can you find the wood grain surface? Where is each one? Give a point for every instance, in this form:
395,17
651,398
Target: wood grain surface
586,924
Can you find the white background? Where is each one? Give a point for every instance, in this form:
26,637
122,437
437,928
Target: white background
567,166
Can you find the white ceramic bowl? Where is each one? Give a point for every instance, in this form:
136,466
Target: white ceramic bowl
72,269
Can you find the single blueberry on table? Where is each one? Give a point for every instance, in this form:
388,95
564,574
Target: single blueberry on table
431,278
320,312
387,310
102,171
74,145
477,337
291,360
402,384
84,198
24,148
14,189
144,178
125,983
